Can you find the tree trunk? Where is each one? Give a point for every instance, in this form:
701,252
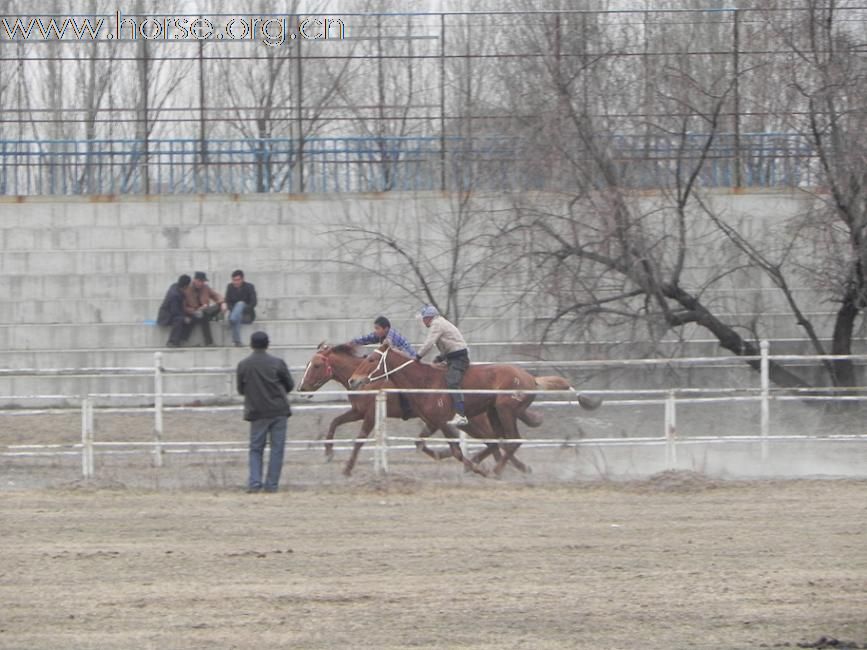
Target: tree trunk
729,338
844,325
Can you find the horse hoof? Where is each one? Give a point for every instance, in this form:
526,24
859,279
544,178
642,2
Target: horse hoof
589,403
329,455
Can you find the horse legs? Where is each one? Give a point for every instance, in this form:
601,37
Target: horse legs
521,467
504,423
349,416
468,463
491,448
480,428
422,447
366,428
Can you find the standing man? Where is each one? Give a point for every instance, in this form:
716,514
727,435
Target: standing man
202,304
264,381
453,350
240,304
172,312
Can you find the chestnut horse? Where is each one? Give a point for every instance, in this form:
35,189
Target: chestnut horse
435,409
339,362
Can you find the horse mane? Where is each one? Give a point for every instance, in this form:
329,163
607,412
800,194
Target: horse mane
346,348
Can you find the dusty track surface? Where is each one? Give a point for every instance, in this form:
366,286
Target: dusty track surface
675,561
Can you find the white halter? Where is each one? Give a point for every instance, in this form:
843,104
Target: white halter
384,364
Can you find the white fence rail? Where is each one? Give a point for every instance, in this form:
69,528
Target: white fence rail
384,444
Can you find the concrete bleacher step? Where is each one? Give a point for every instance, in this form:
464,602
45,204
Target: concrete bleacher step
145,334
181,210
149,261
287,280
160,237
99,336
85,311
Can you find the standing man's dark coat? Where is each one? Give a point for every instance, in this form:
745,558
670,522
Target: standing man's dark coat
264,380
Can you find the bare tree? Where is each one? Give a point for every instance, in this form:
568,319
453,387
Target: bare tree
150,73
825,71
443,256
277,96
598,254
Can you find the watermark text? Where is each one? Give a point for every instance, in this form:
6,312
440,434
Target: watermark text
272,30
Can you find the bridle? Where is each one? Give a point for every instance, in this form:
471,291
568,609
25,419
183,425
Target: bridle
329,372
383,363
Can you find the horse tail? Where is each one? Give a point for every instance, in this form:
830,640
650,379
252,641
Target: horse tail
553,382
532,419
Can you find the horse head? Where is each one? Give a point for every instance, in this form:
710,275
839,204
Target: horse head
318,370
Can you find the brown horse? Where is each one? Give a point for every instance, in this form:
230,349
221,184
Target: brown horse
339,362
503,409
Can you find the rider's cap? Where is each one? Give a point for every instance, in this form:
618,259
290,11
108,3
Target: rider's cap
429,311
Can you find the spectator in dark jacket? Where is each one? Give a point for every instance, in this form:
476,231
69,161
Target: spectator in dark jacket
240,304
264,381
172,312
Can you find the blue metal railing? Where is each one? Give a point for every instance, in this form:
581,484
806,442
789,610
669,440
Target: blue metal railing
387,163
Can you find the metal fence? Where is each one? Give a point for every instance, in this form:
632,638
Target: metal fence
357,164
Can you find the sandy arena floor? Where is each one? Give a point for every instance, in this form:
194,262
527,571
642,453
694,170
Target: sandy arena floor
675,561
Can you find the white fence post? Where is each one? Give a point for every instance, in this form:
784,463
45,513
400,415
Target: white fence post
87,438
380,453
766,389
158,409
84,437
670,432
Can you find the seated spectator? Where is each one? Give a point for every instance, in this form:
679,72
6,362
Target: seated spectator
202,305
172,312
240,304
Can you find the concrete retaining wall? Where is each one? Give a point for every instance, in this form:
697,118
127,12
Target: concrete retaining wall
81,276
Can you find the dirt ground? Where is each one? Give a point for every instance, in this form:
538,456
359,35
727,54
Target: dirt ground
673,561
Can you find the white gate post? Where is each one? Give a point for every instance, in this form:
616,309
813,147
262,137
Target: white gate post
670,432
84,437
87,438
158,409
380,453
766,389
